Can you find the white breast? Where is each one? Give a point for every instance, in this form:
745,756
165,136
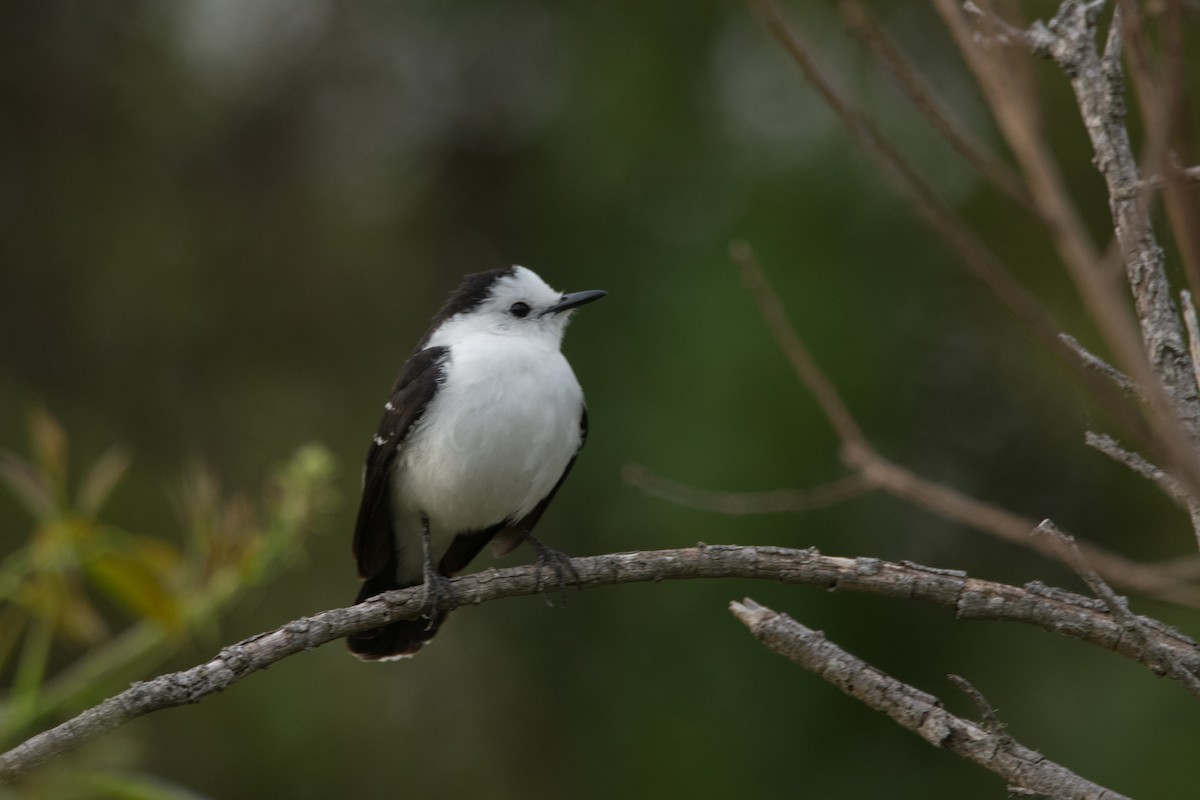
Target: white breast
495,438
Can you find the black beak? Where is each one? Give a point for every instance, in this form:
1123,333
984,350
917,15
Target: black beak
574,300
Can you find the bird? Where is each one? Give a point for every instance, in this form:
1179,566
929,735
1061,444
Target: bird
480,429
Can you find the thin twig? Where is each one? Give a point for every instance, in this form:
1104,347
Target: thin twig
858,454
1187,174
1163,109
1119,608
976,256
987,713
864,25
1051,610
913,709
1099,365
1165,481
1109,446
740,503
797,354
948,503
1173,488
1161,365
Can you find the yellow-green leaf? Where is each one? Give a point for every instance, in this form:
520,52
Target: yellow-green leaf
100,480
137,586
49,445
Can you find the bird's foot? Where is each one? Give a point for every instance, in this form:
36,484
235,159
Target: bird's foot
438,590
559,562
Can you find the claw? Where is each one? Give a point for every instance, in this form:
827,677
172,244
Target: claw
560,562
438,587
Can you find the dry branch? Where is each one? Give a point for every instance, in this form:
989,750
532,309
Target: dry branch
975,254
1119,608
858,454
1052,610
915,710
1158,359
866,27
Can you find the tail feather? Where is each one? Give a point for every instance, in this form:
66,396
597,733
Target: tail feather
399,639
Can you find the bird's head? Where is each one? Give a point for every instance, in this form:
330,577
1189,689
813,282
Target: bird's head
507,302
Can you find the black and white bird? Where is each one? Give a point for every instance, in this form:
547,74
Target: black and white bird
481,427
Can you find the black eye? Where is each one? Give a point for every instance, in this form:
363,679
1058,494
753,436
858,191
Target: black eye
519,309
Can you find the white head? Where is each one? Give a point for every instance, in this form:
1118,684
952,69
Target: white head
506,302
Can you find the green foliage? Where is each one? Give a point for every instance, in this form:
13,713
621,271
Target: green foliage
86,605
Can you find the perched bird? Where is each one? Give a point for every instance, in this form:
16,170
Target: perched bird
482,426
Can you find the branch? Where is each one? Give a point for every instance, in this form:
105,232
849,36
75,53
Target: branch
866,27
1051,610
879,472
1119,608
915,710
976,257
1099,365
740,503
1187,174
1166,482
1160,361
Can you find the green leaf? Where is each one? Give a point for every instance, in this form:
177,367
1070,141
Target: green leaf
100,480
49,446
134,581
29,485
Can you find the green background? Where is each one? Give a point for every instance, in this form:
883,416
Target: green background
223,225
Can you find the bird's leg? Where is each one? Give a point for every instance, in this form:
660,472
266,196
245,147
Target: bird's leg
560,562
437,586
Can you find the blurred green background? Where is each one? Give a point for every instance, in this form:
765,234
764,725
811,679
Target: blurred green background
223,225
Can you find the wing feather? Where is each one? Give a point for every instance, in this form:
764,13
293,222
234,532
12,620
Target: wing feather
374,538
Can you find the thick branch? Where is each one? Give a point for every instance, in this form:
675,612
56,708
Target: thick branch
1052,610
915,710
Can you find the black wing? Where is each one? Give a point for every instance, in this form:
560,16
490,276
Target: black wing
374,544
507,539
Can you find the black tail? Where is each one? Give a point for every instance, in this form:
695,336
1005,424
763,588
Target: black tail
396,639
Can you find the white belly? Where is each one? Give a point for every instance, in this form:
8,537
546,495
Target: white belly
493,442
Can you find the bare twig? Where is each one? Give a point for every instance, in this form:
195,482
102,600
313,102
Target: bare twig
1108,445
1099,365
1097,81
987,714
1051,610
739,503
797,354
950,504
913,709
1163,109
879,472
1119,608
1187,174
864,25
1157,359
1173,488
978,259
